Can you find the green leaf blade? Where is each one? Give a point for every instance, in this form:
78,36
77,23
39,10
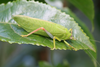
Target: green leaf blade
45,12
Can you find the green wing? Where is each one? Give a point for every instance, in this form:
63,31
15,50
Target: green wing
31,24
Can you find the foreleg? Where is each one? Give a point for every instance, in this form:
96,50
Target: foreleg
70,30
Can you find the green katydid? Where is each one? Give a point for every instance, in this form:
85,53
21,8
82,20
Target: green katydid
44,28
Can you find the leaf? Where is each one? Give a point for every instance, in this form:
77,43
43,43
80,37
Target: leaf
65,64
44,64
87,7
92,54
10,31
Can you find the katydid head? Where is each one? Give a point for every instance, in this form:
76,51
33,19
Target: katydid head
66,35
